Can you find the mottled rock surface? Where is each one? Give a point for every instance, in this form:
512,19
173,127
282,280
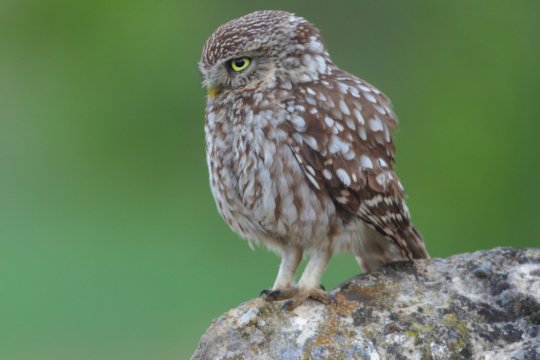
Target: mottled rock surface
483,305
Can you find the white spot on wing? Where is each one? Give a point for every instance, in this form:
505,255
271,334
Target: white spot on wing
303,77
327,174
370,97
379,109
362,133
349,155
337,144
359,116
313,181
342,88
364,88
299,122
366,162
376,124
344,177
386,134
298,138
310,140
329,121
344,107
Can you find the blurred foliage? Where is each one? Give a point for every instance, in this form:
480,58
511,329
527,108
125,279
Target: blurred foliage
111,245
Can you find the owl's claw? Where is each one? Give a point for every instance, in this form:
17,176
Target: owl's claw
286,304
273,295
322,287
264,291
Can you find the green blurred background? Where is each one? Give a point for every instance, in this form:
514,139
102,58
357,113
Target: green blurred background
110,243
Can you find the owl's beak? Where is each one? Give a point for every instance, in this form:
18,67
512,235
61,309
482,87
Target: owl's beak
213,89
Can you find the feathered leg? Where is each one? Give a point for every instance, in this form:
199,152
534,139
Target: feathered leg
290,259
308,286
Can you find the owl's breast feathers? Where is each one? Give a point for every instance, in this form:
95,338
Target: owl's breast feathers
250,160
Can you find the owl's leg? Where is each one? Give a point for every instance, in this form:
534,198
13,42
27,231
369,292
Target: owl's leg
290,259
308,286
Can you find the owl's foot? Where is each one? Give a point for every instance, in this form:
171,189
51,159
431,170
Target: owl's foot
296,297
267,291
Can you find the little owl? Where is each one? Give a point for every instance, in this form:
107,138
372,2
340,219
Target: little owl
300,153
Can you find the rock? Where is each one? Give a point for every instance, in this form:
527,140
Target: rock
483,306
250,317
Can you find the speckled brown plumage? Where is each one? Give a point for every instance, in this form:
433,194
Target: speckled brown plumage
300,152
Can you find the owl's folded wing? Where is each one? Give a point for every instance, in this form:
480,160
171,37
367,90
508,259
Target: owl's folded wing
341,132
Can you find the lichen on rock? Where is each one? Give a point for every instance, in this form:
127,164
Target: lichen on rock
484,305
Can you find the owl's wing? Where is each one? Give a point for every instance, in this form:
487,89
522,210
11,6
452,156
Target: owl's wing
341,130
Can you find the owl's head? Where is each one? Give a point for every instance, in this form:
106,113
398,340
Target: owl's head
257,51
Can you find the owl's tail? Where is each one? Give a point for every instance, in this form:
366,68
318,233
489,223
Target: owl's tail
374,249
415,243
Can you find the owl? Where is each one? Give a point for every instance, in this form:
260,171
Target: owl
300,153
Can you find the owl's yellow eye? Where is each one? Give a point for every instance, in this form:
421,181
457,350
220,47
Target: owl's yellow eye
240,64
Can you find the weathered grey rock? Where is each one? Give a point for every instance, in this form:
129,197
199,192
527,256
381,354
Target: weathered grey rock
483,305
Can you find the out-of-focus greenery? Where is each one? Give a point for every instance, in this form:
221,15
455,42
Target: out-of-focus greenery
110,243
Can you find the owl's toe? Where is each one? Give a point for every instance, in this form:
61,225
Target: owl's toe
295,297
281,294
323,297
288,305
303,295
294,302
